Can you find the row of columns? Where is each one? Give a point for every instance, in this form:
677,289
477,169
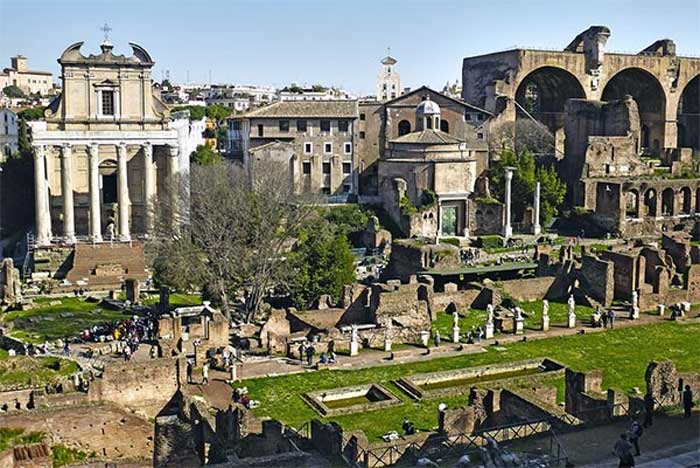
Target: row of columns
42,205
508,227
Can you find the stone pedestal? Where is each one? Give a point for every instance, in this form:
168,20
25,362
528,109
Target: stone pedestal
660,309
354,348
518,326
387,344
234,373
685,308
455,334
545,323
488,332
424,338
571,321
634,313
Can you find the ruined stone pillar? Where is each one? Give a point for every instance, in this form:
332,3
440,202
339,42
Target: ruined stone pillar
123,189
537,227
149,185
508,229
41,206
94,182
67,193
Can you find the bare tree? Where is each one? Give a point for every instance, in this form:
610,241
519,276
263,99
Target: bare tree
228,234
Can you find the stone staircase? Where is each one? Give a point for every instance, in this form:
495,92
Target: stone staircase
107,265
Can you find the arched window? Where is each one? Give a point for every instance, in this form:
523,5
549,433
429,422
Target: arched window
404,127
445,126
429,122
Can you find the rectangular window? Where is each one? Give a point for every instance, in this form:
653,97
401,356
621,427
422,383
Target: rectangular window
236,125
326,168
301,125
325,125
362,116
343,125
308,148
260,130
467,116
284,125
107,102
347,168
346,188
347,147
306,167
480,117
328,148
326,190
362,135
480,136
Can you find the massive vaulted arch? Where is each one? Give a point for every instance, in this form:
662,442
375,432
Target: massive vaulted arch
689,115
544,92
651,101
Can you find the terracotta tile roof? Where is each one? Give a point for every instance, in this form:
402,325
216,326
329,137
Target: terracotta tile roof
432,137
308,109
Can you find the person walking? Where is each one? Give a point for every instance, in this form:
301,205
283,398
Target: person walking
310,351
687,401
635,434
437,339
611,319
604,319
623,450
205,374
648,409
189,371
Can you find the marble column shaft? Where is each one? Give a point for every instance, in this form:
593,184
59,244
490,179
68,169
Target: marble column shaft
67,193
123,195
43,219
94,187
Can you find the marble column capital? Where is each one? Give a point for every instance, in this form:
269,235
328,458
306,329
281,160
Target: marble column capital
39,151
93,149
121,149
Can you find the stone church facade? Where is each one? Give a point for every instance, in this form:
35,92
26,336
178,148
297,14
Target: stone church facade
107,148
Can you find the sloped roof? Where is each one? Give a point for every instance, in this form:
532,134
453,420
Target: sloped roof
308,109
424,88
430,136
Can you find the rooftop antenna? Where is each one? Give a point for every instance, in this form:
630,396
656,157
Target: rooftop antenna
106,30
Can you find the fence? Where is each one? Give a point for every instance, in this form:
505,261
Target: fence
446,446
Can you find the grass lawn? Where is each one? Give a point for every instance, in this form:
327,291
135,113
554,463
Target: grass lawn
50,322
177,300
27,371
621,354
9,437
477,317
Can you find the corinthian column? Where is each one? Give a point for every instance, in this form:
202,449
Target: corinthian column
43,219
173,164
67,193
149,185
94,180
123,188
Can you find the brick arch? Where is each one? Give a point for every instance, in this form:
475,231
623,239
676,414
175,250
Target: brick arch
651,97
543,92
688,113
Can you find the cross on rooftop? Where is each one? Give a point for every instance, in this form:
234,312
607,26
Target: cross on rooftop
106,29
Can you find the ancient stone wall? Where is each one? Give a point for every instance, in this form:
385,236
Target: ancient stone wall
528,289
598,276
624,273
145,386
485,217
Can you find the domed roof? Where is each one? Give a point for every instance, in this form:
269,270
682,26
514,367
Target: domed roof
428,107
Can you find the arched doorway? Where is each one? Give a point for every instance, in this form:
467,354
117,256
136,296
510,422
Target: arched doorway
650,202
689,115
543,94
668,200
687,200
651,101
404,127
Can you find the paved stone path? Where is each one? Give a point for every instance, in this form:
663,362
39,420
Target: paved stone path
265,367
671,442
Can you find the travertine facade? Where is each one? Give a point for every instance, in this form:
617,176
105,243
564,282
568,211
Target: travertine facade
29,81
105,150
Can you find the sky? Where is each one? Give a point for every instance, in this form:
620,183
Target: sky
330,42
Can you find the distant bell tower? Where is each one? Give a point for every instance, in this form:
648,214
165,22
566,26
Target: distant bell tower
388,81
